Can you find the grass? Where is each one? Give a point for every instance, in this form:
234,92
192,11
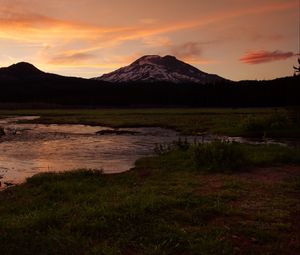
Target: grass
219,155
223,156
165,205
277,124
219,198
233,122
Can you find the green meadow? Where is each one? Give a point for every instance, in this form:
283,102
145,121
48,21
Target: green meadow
190,198
255,122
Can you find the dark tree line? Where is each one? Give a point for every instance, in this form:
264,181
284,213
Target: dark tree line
48,89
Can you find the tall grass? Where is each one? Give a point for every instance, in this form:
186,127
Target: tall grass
279,123
172,210
224,156
219,155
294,114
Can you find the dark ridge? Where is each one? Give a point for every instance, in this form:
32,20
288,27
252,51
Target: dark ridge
24,84
22,68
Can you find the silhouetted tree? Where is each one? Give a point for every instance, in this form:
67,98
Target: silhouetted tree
297,69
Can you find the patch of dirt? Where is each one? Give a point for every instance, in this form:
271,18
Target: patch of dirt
294,237
263,175
213,184
255,205
144,173
130,251
270,175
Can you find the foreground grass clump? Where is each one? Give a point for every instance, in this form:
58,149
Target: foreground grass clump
219,156
88,213
164,206
276,124
223,156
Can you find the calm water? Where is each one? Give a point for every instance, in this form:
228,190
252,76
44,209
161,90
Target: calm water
27,149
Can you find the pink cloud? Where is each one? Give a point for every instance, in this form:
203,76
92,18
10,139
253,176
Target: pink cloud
263,56
186,50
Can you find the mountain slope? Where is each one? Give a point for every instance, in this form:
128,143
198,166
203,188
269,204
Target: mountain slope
152,68
25,72
23,85
20,69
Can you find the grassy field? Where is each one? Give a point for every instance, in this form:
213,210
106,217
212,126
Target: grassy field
189,199
262,122
169,204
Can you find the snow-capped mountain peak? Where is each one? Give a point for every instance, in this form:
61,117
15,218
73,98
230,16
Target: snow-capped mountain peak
153,68
149,59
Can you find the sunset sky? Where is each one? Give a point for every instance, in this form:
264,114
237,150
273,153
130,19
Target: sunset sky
237,39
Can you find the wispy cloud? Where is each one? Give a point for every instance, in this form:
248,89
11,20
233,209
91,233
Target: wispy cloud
263,56
89,42
63,59
14,20
268,38
149,21
19,24
187,50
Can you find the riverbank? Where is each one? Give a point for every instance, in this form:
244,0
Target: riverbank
247,122
28,149
219,198
165,205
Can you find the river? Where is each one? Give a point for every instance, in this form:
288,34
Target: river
28,149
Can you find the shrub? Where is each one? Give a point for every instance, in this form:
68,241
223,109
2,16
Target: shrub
219,156
181,145
263,125
294,114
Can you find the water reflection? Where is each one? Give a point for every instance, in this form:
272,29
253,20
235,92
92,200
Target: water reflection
27,149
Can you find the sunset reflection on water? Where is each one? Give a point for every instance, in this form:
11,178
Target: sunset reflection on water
39,148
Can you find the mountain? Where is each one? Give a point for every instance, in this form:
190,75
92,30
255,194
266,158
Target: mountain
20,69
22,85
153,68
25,72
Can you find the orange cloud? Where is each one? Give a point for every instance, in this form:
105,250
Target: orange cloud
262,56
17,24
62,59
31,25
